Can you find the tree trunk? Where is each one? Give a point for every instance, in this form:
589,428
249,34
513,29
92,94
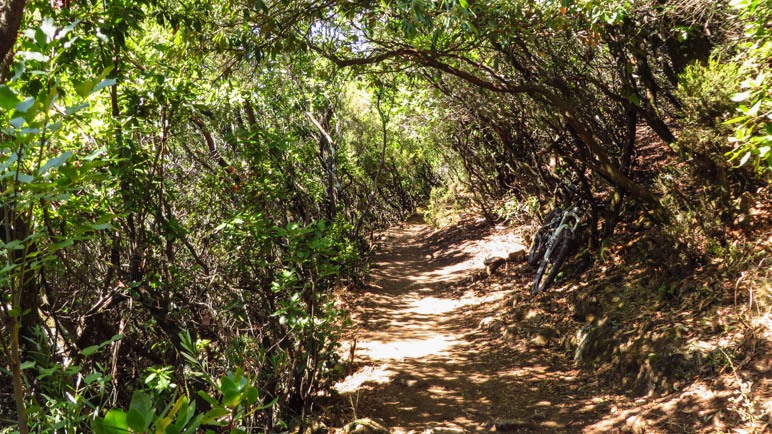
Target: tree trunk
11,14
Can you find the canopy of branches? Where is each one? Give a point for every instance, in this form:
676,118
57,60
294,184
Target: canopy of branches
186,181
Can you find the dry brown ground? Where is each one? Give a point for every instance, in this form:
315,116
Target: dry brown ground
439,350
426,355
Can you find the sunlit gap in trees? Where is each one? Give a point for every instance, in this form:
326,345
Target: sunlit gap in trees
354,38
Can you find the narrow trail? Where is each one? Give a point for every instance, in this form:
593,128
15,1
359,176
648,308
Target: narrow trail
426,362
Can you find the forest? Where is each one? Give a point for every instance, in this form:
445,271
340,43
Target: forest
191,190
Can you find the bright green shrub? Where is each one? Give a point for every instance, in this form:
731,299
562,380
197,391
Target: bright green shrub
706,90
752,137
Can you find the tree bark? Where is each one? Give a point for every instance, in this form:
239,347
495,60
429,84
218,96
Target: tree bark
11,14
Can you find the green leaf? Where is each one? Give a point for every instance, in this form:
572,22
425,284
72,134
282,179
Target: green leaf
14,245
194,424
17,122
165,421
8,98
55,162
7,163
88,351
94,155
103,84
62,244
207,397
186,412
211,416
135,420
227,385
754,110
114,422
745,158
32,55
25,105
742,96
48,28
142,406
464,4
90,378
251,395
736,120
27,365
74,109
25,178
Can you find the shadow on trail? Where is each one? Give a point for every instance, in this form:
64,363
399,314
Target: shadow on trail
425,363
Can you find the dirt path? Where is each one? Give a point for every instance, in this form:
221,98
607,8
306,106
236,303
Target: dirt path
425,357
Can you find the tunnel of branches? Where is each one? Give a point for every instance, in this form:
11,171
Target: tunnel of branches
185,183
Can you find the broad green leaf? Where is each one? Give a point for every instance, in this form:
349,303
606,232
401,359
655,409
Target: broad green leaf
33,55
251,395
17,122
206,397
162,424
55,162
211,416
8,268
25,105
14,245
90,378
226,383
742,96
754,110
745,158
24,178
8,98
7,163
141,402
48,28
74,109
183,417
103,84
136,420
62,244
194,424
54,126
114,422
94,155
90,350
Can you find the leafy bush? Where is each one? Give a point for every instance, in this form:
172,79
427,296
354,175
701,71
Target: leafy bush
446,204
237,397
518,212
705,90
752,137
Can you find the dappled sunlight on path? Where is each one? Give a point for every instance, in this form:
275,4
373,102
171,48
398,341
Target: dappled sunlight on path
423,360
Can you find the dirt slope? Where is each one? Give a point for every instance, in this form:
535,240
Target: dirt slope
438,347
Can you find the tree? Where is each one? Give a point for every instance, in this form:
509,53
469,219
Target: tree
11,14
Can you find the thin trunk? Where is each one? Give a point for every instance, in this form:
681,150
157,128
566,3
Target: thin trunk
11,14
17,379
